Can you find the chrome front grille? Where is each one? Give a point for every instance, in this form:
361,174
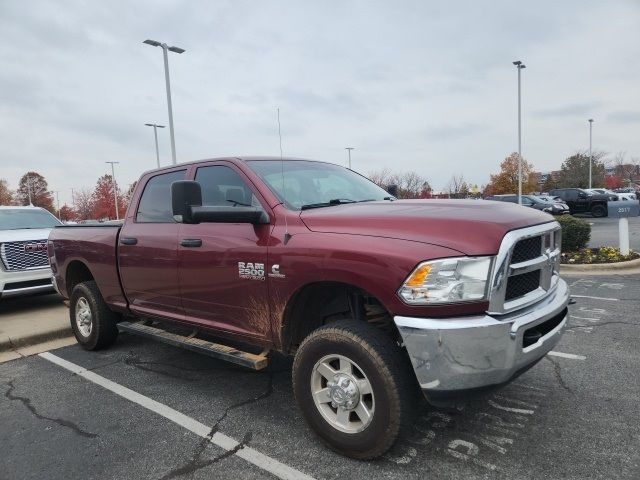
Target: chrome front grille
26,255
526,268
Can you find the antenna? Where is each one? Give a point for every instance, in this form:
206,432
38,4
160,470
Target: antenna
287,236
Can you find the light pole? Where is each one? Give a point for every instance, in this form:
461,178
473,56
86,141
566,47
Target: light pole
348,149
58,203
165,49
73,198
590,154
29,189
519,65
155,134
115,190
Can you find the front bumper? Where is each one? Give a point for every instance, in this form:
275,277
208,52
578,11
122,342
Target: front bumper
452,356
25,282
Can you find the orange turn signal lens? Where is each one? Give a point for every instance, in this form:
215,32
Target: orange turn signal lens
418,277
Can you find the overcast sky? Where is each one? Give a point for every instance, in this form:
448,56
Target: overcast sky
412,85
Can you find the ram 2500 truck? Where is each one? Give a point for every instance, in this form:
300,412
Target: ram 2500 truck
377,298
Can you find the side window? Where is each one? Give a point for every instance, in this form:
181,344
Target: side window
571,195
155,204
222,186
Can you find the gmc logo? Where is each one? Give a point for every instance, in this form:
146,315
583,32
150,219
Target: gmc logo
35,247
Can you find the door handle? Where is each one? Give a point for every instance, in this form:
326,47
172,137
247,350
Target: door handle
128,241
191,242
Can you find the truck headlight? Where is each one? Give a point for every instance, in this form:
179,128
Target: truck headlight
448,280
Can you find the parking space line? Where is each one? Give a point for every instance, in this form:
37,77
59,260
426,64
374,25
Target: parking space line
596,298
249,454
567,355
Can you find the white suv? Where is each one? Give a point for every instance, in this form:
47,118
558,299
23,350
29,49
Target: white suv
24,265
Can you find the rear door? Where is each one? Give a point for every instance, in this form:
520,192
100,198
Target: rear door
223,265
148,251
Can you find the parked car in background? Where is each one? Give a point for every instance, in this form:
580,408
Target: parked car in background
553,207
550,198
23,249
581,201
620,195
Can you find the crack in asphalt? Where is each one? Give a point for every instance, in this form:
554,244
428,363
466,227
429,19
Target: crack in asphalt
132,359
558,372
195,463
257,398
60,421
607,323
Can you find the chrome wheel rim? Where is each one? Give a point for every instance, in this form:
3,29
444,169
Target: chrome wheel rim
342,393
84,320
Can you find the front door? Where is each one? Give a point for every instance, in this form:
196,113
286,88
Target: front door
222,265
148,251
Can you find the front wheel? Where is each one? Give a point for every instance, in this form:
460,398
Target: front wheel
599,211
355,387
92,322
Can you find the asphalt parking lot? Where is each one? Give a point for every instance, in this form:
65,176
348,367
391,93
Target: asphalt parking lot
604,232
150,411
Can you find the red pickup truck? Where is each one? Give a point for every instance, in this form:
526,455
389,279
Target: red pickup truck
376,297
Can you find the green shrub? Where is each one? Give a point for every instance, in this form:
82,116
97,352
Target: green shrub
575,233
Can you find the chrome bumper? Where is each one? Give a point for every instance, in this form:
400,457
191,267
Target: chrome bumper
452,355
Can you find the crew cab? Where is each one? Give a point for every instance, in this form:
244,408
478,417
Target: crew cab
376,298
581,201
24,269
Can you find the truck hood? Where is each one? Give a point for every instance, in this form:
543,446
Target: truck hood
472,227
24,234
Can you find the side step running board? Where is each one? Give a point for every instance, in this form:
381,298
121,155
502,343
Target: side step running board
215,350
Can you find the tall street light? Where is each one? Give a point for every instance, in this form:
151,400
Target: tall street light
348,149
166,49
590,154
115,190
155,133
519,65
58,203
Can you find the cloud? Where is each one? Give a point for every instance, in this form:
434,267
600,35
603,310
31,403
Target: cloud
624,116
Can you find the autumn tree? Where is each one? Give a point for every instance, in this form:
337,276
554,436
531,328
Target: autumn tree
66,213
507,180
33,186
6,195
574,172
549,184
104,201
612,181
627,170
83,204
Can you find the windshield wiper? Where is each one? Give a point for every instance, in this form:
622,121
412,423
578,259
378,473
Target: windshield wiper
330,203
236,203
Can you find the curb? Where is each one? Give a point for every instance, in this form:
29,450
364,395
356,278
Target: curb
7,343
619,267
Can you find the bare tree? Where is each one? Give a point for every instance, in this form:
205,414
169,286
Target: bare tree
84,204
410,184
627,170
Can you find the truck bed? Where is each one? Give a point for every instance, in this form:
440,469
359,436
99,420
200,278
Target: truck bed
93,245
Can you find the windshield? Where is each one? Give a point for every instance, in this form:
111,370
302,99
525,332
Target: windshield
310,184
536,199
17,218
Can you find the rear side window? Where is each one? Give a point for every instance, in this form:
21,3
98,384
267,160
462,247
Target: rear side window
222,186
155,204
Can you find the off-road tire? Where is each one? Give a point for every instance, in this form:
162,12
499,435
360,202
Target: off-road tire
388,370
599,211
103,329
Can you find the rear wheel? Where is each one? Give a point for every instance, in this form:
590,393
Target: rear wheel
599,211
355,387
92,322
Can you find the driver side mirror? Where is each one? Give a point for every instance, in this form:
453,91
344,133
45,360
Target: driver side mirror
393,190
582,195
186,202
